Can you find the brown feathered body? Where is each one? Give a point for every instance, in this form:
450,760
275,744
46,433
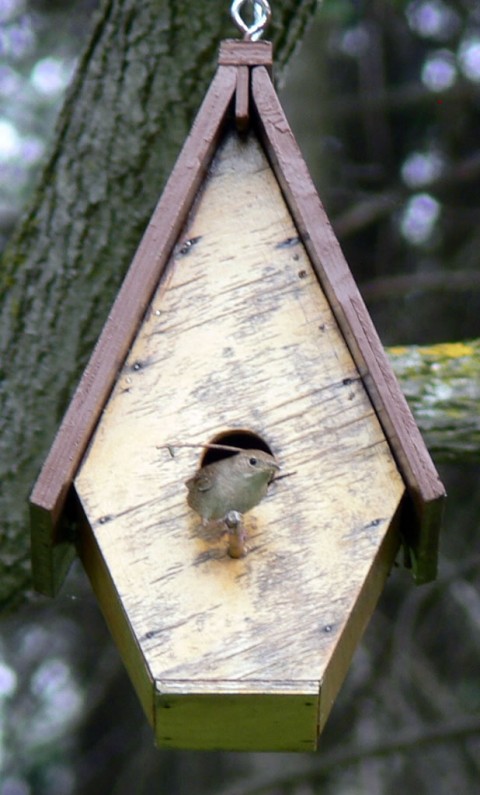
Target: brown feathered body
235,483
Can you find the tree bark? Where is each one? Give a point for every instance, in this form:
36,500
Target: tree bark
139,82
138,85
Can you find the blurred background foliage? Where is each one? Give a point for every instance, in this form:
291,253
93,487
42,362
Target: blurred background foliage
384,97
39,43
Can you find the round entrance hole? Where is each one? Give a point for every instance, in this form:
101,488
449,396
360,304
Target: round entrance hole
246,440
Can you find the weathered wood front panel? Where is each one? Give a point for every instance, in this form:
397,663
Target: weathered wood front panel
243,653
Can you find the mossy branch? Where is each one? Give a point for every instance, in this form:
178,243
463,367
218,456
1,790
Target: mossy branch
442,385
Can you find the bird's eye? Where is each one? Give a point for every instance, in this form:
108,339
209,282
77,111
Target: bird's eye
252,461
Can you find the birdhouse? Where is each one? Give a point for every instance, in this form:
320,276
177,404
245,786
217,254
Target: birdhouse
238,323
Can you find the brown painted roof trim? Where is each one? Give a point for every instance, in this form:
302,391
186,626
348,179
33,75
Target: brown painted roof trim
52,487
406,442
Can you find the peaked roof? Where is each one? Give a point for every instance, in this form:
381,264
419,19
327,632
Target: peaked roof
243,75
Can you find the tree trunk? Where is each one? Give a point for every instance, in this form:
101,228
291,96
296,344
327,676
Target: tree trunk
138,85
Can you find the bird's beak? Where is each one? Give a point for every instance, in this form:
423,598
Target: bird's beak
274,474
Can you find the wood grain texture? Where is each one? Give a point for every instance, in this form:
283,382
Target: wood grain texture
50,491
115,616
242,98
425,489
245,53
248,653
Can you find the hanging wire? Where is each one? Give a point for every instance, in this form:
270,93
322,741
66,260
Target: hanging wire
261,17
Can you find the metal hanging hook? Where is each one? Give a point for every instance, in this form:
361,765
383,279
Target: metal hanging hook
261,17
